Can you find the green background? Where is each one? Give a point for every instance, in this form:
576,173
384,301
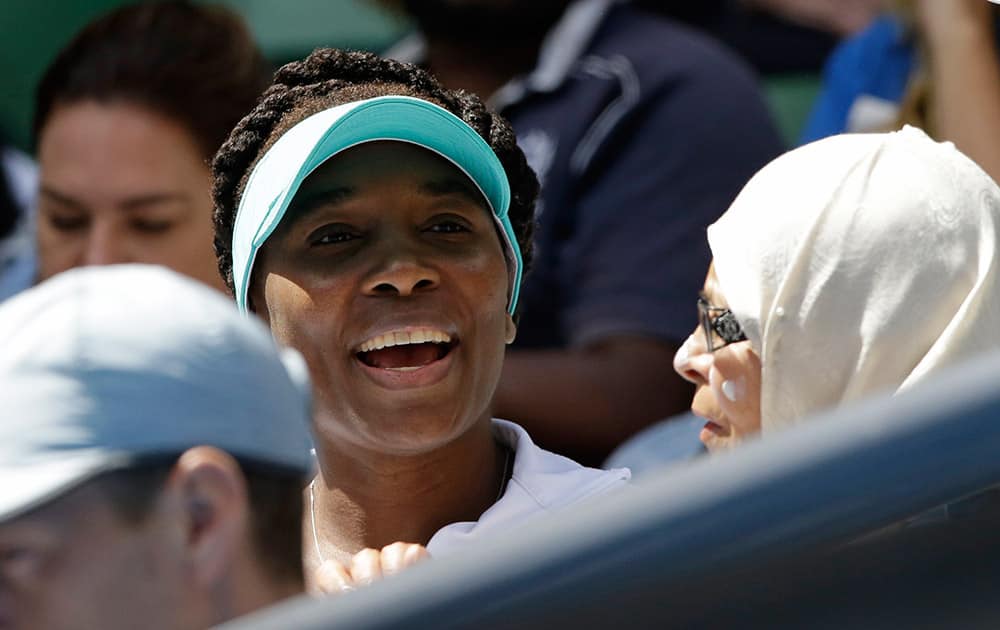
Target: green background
33,31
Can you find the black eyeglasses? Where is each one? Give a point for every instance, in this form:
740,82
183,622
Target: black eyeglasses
719,326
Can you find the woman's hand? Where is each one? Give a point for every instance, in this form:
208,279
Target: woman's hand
367,566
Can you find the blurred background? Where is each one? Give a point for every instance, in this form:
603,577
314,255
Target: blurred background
32,32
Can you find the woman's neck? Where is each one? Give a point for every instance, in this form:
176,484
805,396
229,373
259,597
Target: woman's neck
365,499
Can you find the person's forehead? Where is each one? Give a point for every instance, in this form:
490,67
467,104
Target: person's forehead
65,512
386,159
370,166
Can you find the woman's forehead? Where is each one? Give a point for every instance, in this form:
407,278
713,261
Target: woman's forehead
388,160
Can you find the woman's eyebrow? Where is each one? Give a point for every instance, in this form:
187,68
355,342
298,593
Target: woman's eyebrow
306,202
152,199
47,191
454,186
137,202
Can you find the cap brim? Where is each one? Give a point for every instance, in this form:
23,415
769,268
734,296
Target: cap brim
279,173
34,484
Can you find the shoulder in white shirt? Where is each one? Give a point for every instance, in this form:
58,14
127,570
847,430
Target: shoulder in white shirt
541,482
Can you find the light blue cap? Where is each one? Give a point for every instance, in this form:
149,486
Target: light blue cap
279,173
102,367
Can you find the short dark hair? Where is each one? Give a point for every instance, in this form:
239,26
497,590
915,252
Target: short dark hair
276,508
330,77
194,64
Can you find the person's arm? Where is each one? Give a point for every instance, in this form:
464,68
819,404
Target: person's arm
584,401
841,17
965,77
635,262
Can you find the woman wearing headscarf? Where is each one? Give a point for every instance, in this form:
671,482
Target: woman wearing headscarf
857,264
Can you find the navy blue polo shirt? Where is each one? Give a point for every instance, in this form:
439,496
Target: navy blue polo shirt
642,132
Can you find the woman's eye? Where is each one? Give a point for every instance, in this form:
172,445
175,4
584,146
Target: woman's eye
448,227
68,223
18,562
331,238
151,226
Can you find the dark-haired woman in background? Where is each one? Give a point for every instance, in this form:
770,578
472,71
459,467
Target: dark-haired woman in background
126,121
856,265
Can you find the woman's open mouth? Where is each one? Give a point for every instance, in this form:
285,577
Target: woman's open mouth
407,358
405,350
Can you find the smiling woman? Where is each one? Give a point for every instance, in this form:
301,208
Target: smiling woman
412,283
380,225
126,119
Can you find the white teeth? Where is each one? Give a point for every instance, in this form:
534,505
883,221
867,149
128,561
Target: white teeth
387,340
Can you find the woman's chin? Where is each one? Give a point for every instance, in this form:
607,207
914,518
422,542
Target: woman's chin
717,437
395,432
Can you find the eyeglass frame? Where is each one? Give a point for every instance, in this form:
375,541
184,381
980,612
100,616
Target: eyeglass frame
724,324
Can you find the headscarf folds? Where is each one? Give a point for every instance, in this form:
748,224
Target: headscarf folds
860,263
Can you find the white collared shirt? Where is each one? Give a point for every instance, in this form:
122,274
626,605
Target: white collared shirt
541,482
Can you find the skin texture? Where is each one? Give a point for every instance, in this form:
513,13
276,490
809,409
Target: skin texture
187,565
388,236
365,567
121,184
581,401
729,422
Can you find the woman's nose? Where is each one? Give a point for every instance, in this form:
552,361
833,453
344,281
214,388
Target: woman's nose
692,362
401,272
104,245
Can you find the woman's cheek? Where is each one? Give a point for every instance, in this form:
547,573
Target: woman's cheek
730,390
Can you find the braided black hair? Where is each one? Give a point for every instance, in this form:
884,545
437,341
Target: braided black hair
330,77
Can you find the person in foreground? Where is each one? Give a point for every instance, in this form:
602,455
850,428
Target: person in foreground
381,224
153,448
857,264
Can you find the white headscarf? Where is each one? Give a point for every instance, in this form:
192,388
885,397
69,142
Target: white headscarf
859,264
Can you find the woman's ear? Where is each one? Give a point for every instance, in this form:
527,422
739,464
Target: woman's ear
511,330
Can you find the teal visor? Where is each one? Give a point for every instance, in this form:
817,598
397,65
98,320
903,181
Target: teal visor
279,173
